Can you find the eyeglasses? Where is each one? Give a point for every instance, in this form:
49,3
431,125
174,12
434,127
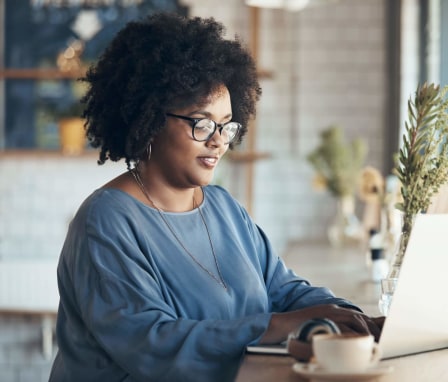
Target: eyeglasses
204,128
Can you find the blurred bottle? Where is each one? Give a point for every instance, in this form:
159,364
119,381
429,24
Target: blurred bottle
379,266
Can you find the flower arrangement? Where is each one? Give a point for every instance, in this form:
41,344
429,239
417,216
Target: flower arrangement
380,194
372,186
338,164
372,191
422,162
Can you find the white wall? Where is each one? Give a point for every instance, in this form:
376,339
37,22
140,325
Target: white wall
39,196
328,65
409,55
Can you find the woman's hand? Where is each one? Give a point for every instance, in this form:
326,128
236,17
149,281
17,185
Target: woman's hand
348,320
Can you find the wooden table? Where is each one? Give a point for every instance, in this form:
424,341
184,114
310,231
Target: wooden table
344,270
425,367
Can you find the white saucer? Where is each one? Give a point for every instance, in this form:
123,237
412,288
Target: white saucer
314,372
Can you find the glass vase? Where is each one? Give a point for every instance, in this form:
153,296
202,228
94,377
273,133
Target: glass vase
398,256
388,284
346,228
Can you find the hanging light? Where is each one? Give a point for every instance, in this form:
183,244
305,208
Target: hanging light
289,5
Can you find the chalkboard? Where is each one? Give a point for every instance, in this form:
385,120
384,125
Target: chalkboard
34,37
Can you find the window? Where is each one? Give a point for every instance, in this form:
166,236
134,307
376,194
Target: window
45,49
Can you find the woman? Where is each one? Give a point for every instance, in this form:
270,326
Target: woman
163,277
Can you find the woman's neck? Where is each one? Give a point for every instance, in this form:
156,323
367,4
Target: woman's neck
166,197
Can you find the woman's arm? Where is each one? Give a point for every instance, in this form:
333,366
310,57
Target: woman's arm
294,300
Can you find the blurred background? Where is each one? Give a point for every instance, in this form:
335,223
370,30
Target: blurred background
350,64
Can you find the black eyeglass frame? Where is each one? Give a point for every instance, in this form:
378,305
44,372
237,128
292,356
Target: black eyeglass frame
195,121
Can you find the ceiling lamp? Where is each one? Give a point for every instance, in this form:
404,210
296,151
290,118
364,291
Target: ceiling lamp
289,5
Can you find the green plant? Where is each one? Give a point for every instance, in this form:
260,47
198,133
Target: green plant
65,102
338,164
68,110
422,161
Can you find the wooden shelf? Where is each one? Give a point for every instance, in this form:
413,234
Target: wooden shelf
56,74
247,156
265,74
39,74
45,153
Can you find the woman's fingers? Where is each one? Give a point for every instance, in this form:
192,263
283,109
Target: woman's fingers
348,320
364,324
353,321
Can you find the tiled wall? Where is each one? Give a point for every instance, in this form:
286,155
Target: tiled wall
328,67
39,195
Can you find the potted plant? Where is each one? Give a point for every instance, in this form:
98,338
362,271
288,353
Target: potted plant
338,166
71,128
422,168
64,108
422,162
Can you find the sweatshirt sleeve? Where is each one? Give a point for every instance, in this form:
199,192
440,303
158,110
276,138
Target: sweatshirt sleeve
286,290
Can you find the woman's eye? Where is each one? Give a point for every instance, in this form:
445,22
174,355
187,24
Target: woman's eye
205,124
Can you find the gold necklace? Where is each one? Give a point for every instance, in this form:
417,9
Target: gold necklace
220,281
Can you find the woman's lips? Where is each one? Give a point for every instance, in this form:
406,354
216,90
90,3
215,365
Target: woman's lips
209,161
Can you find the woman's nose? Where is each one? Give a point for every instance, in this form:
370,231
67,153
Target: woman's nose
216,139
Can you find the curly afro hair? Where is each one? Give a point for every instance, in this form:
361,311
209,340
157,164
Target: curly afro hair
162,62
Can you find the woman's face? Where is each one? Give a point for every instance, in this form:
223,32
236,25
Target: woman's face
177,158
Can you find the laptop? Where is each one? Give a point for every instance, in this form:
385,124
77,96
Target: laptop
417,318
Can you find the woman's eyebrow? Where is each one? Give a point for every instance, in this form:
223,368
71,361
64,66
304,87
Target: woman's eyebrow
209,115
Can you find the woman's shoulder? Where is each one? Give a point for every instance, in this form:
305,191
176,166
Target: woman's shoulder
104,203
218,194
105,196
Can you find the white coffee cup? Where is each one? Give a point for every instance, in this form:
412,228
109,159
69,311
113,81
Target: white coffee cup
345,352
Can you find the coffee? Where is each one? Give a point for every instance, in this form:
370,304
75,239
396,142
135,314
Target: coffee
345,352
